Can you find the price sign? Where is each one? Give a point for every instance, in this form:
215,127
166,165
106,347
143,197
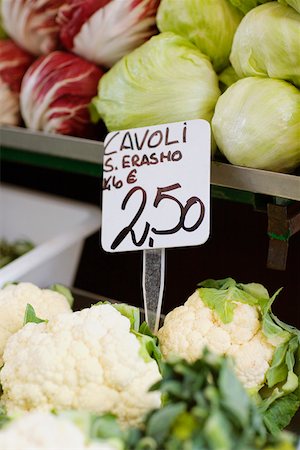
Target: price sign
156,187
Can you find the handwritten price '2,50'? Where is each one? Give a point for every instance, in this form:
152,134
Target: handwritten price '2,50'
161,195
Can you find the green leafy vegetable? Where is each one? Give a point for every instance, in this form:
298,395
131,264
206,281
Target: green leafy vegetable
30,315
149,344
160,425
266,43
164,65
105,427
209,24
257,123
205,407
64,291
9,251
277,417
230,392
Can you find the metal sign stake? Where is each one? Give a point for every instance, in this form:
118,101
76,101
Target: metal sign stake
153,285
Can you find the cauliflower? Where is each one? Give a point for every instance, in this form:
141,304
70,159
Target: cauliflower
88,360
188,329
41,430
13,301
235,319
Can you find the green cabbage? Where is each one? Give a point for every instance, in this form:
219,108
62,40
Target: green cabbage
267,43
293,3
257,124
246,5
209,24
167,79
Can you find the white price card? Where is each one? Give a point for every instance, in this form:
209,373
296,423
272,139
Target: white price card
156,187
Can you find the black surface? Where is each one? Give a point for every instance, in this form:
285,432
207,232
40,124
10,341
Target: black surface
237,247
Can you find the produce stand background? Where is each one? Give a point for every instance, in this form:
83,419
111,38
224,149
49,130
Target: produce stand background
238,245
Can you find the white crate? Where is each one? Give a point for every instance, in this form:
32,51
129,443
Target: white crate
56,226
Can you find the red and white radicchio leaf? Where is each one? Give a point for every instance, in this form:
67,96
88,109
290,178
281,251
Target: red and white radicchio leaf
56,92
103,31
32,23
14,62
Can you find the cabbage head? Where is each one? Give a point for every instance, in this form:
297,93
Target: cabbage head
257,124
246,5
267,43
293,3
167,79
209,24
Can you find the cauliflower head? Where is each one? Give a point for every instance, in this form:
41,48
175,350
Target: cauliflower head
88,360
190,328
236,320
13,301
38,430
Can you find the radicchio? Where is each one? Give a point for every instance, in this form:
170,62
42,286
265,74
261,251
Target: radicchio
103,31
32,23
56,92
14,62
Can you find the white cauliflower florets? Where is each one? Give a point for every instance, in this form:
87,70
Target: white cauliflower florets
88,360
13,301
44,431
191,327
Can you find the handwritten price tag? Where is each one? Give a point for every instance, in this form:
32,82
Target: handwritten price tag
156,187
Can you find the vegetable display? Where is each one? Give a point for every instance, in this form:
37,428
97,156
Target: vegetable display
140,89
91,360
235,319
14,62
32,23
209,24
223,372
46,431
13,301
266,43
65,370
164,61
257,124
103,31
56,91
